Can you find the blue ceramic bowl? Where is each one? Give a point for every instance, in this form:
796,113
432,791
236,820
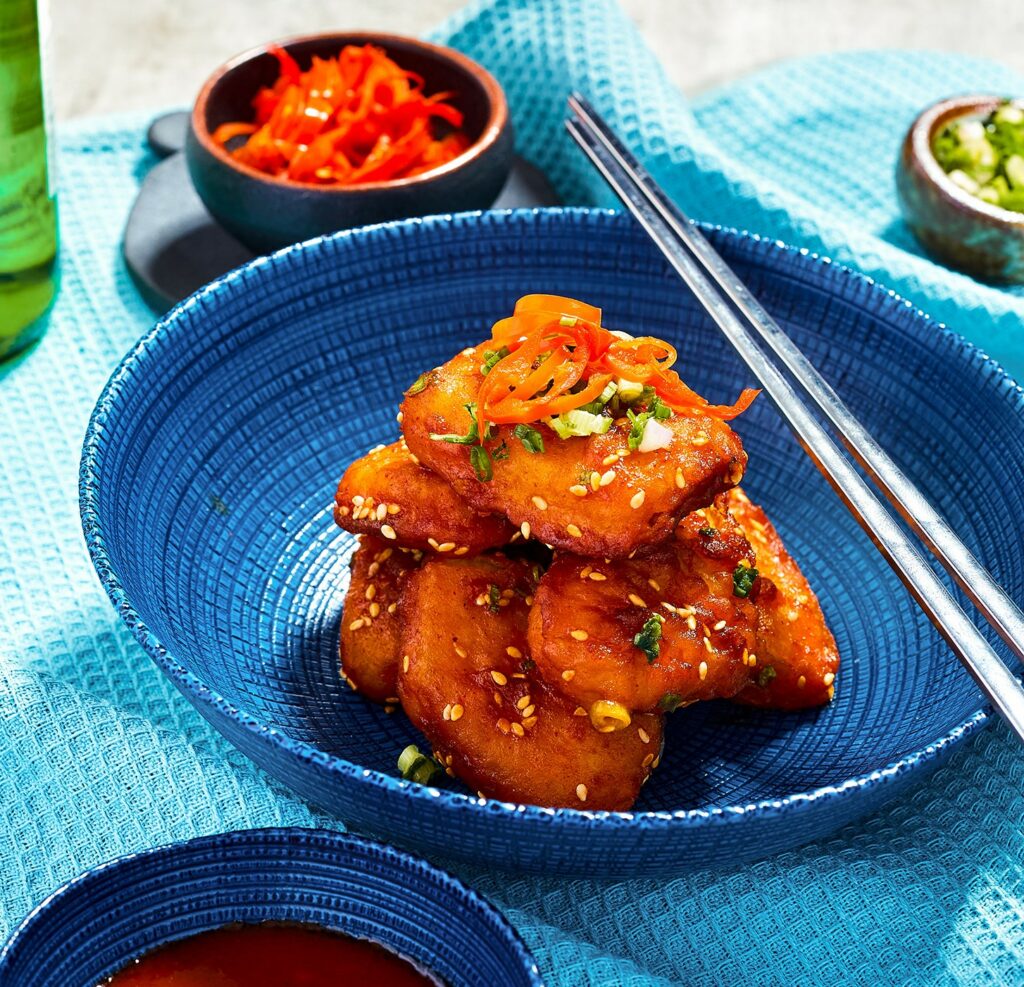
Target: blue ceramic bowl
211,462
104,919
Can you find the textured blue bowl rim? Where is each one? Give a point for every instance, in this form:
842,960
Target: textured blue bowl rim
347,771
397,861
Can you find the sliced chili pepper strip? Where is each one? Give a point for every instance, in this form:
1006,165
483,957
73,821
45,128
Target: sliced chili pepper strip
358,117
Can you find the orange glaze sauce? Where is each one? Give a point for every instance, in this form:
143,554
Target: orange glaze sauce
271,955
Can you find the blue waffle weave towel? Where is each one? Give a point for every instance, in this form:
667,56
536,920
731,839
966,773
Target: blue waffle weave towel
100,756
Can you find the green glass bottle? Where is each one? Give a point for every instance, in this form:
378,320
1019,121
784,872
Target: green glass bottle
28,213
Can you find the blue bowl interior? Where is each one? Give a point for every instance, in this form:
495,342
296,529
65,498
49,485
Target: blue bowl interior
105,919
215,455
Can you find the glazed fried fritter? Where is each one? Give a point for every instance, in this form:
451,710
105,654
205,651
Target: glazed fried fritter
388,493
370,625
586,495
654,632
797,658
467,681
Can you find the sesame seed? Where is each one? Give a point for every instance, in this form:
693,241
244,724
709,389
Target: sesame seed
668,606
752,660
735,473
831,692
719,626
829,678
691,622
390,709
525,529
569,674
392,607
645,737
405,663
382,511
637,499
528,601
432,542
384,554
517,729
394,509
461,652
497,699
573,530
358,500
540,503
446,546
657,760
446,713
607,477
513,652
529,721
702,670
522,702
503,725
374,609
801,682
356,624
468,351
371,591
707,644
608,460
343,511
792,615
647,760
654,584
373,569
578,489
586,571
622,453
595,481
680,479
457,712
392,699
399,417
580,711
498,678
598,577
529,710
581,792
461,550
700,439
387,531
579,635
636,600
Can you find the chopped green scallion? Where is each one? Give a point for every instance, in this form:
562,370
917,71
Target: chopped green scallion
531,439
743,579
415,766
647,640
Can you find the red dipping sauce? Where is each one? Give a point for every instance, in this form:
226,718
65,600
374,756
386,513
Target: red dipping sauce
272,955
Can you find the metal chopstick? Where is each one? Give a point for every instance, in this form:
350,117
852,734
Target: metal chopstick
973,578
995,680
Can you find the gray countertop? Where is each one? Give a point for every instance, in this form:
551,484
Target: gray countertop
112,55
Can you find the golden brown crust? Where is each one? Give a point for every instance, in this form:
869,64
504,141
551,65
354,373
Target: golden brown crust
388,493
469,685
557,493
793,640
587,613
370,625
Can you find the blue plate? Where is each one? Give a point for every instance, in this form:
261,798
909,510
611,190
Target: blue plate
102,920
211,461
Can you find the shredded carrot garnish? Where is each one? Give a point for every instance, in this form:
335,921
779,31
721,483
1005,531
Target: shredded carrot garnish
355,118
561,358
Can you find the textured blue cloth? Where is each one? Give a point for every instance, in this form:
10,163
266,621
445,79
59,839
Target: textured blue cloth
100,756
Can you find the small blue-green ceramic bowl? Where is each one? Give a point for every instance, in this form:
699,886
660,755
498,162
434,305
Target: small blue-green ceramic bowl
101,921
212,457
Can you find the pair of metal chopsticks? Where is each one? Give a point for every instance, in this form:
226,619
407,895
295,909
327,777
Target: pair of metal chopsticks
741,317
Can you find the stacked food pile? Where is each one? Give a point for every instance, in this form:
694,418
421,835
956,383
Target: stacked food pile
557,554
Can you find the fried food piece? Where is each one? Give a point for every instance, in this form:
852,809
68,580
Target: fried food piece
586,495
797,658
370,626
654,632
467,681
388,493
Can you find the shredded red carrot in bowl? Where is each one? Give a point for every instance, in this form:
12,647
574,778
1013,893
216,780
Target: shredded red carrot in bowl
555,356
355,118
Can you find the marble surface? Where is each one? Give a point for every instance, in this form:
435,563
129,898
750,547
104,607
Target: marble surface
135,54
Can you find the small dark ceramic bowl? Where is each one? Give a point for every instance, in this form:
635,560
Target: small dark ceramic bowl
102,920
266,213
957,228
